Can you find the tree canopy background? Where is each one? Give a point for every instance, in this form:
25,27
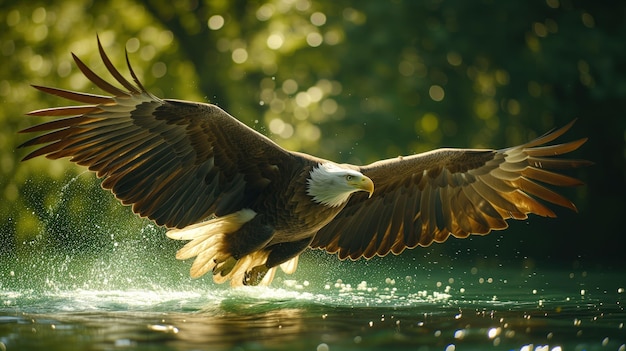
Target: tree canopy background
351,81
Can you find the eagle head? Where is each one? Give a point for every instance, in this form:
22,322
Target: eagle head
331,185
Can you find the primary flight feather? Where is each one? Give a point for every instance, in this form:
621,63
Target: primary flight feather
248,206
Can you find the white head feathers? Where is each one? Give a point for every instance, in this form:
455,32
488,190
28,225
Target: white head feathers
331,185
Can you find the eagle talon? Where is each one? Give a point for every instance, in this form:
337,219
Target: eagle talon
254,276
225,267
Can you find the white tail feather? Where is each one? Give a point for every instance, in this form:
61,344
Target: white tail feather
206,261
226,224
207,242
269,276
290,266
200,244
207,245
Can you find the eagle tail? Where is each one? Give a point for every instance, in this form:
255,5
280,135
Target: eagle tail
290,266
207,246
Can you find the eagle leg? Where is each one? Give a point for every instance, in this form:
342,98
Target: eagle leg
283,252
252,236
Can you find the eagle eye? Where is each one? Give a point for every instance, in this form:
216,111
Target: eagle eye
349,177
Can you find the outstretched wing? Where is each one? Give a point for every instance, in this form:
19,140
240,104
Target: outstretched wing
176,162
424,198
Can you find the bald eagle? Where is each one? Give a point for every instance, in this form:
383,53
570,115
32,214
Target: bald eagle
247,206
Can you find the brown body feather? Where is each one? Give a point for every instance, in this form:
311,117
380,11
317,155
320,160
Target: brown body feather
192,166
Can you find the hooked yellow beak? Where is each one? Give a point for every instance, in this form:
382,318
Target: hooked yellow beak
364,183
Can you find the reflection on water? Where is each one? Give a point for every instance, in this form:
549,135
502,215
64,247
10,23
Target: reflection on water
497,309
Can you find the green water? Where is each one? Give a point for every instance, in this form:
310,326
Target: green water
122,303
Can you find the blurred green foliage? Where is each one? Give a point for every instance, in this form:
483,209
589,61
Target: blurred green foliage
351,81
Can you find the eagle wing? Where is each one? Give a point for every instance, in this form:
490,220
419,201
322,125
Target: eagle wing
424,198
176,162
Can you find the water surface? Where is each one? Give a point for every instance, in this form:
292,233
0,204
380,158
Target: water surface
325,305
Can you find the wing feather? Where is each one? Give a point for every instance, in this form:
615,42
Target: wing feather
532,188
504,175
552,150
74,95
63,111
447,192
459,203
175,162
427,203
116,74
382,227
495,198
394,229
551,178
95,79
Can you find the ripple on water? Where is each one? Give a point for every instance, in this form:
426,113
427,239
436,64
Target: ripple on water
473,311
